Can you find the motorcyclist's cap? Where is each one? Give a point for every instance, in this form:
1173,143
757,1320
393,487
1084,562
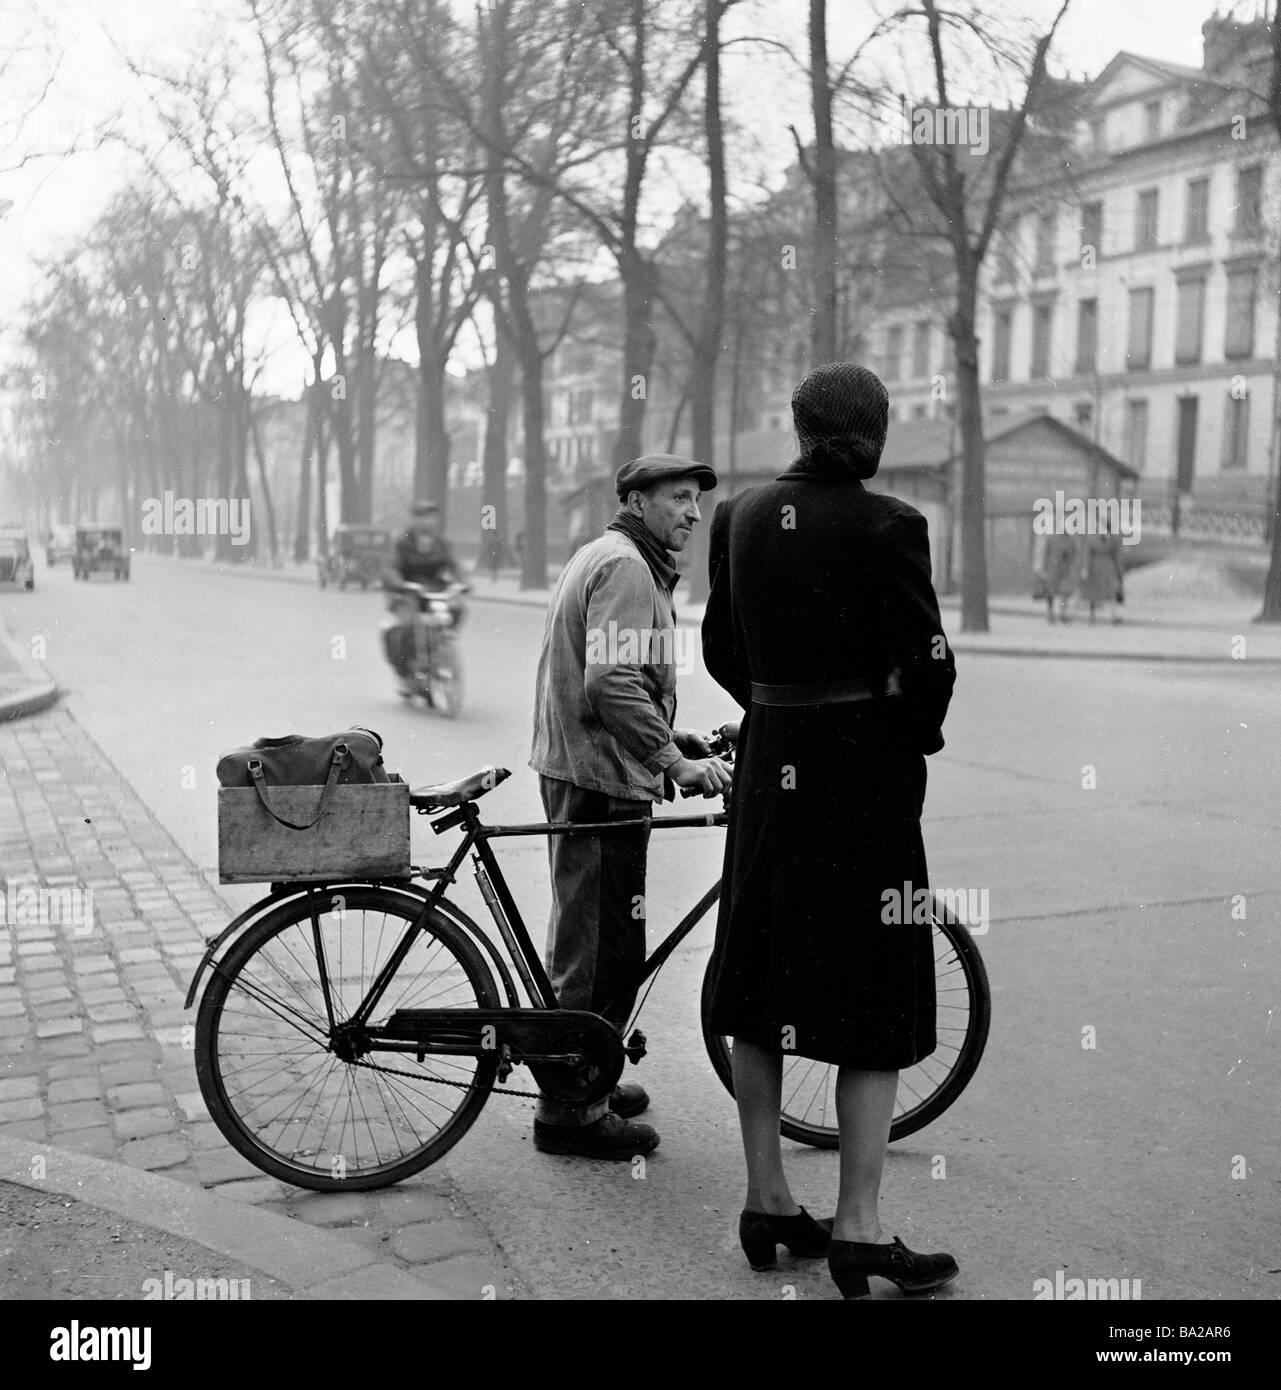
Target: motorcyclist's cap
661,468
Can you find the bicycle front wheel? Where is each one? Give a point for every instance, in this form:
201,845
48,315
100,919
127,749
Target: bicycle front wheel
446,677
964,1015
290,1082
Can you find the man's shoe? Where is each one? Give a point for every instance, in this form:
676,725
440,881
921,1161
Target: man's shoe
610,1137
626,1101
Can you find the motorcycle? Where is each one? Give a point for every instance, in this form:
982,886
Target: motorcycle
423,623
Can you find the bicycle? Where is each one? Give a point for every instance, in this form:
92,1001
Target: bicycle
332,992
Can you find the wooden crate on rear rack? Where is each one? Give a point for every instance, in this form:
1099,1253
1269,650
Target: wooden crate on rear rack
363,833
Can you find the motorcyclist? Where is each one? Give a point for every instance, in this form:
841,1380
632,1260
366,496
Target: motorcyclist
422,556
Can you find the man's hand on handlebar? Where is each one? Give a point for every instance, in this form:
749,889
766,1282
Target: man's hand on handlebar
707,775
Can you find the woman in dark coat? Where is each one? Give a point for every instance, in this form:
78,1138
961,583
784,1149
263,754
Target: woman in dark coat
823,624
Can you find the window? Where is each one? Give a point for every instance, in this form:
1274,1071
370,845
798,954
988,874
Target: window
1042,327
1238,338
893,352
918,412
1087,334
1046,228
1002,322
1236,431
1250,201
1138,351
1092,231
1145,223
1151,120
1006,252
1191,315
1136,434
1098,134
921,349
1196,217
1186,451
1083,413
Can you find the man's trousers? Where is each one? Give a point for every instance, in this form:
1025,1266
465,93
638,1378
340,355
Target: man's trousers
596,936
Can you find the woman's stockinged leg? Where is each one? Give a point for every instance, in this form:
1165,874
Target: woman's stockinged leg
758,1089
864,1109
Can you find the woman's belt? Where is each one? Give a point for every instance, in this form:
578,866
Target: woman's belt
826,692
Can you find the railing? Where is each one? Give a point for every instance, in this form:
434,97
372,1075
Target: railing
1244,524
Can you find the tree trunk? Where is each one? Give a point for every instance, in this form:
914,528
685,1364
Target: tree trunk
533,573
431,438
823,324
707,345
322,491
273,545
974,615
341,428
493,524
226,407
310,431
241,489
366,430
640,284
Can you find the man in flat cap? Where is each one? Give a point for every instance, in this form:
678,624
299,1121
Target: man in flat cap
605,748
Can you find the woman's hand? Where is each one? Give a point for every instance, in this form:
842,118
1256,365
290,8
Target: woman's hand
692,743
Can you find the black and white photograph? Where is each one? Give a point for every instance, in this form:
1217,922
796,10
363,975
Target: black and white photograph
640,660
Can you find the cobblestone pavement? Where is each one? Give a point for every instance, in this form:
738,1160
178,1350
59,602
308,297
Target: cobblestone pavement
95,1046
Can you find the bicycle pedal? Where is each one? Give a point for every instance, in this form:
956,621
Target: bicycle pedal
635,1048
505,1064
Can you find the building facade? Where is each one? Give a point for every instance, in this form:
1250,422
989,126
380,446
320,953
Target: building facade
1138,304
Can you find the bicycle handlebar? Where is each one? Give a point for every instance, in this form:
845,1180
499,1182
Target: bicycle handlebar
721,744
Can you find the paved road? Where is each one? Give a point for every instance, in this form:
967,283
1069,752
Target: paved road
1111,910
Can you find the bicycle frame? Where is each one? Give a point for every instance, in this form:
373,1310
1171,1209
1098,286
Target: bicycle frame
502,905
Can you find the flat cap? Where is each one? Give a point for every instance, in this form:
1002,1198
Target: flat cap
661,468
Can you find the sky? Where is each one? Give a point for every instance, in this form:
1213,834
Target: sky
53,199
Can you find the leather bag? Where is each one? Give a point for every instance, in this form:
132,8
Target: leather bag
354,755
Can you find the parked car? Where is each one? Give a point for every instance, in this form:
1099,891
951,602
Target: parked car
15,558
357,555
60,544
100,547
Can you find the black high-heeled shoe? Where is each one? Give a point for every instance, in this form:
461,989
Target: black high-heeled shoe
760,1235
851,1261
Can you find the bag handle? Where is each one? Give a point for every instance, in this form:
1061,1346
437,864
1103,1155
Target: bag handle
337,760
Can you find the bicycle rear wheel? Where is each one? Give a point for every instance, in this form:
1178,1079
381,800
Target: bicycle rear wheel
311,1102
964,1015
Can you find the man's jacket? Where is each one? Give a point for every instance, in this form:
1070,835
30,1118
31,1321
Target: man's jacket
434,567
605,696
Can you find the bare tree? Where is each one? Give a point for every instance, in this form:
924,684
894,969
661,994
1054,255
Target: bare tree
968,208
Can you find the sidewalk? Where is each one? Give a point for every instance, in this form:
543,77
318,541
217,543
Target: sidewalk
25,686
98,1094
1164,618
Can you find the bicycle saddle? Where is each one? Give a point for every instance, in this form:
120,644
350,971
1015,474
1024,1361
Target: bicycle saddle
456,793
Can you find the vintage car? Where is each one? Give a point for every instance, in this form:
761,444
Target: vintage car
100,547
60,544
357,555
15,558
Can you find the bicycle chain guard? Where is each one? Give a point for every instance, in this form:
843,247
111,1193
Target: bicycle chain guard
576,1057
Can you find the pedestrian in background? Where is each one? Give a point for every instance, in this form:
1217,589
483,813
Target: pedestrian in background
1056,559
823,624
1103,578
